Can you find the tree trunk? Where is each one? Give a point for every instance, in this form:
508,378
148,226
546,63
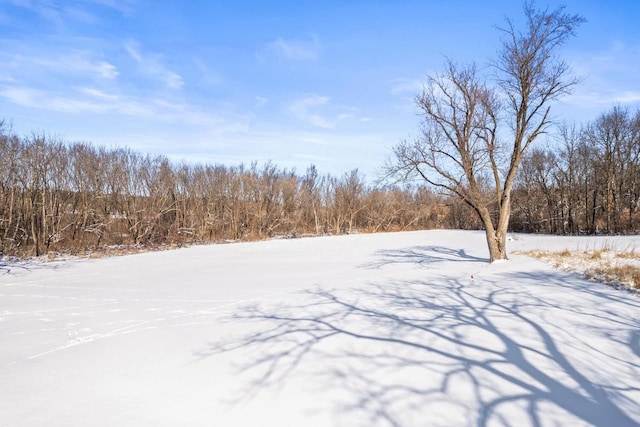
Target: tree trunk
496,239
497,245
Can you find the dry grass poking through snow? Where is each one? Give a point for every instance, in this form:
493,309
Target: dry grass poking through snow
620,269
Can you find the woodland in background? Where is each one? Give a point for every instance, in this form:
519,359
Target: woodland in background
57,197
74,198
588,182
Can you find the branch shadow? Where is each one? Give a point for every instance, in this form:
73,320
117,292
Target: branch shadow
450,353
9,265
422,255
634,342
12,266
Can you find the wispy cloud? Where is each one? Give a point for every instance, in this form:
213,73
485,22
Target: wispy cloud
106,70
261,101
76,63
317,111
406,86
304,108
97,93
294,50
152,65
83,100
46,9
609,77
122,6
628,97
60,12
208,76
603,98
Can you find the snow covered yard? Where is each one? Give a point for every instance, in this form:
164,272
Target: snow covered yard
399,329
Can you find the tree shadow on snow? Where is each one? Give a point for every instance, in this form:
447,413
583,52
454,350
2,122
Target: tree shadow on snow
446,352
422,255
10,265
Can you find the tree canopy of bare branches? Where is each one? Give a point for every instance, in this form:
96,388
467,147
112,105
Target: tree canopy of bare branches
476,129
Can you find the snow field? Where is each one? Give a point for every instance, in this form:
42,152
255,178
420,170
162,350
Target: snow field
405,329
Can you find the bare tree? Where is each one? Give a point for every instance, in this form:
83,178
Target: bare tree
474,135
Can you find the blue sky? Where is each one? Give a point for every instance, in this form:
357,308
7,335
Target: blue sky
329,83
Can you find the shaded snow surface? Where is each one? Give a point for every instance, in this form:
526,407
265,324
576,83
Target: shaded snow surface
400,329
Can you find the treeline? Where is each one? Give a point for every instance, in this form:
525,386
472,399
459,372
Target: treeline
58,197
73,198
589,182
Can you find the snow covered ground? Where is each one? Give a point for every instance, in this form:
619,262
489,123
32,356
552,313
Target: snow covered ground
400,329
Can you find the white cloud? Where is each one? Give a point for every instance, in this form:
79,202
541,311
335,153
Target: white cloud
603,98
628,97
609,76
82,63
317,111
119,5
261,101
106,70
97,93
20,96
133,52
5,78
302,109
208,76
122,6
80,15
294,50
95,101
152,66
77,63
46,9
60,12
406,86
